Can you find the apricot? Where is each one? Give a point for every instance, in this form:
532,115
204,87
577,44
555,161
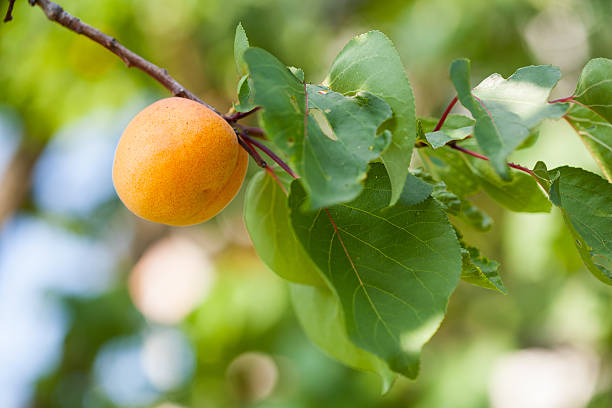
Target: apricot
178,163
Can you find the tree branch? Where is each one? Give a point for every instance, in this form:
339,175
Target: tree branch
56,13
9,11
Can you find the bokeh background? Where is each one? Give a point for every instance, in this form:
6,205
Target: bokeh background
101,309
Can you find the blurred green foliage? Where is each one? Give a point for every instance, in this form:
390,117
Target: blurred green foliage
50,77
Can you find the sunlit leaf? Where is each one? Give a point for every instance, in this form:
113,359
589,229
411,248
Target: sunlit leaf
592,116
393,268
371,63
241,43
506,110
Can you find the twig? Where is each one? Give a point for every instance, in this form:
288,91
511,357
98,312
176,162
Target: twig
9,12
55,13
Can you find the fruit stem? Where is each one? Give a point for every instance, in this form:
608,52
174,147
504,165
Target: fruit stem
269,153
252,152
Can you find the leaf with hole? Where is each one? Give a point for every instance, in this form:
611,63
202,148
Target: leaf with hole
371,63
332,169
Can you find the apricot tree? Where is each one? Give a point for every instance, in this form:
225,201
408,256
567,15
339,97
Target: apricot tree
359,211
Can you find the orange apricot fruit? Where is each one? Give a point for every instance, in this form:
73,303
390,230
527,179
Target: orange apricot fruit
178,163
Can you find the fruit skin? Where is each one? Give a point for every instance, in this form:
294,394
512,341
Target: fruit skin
178,163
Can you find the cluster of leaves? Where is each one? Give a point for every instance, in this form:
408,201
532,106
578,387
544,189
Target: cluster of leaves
369,246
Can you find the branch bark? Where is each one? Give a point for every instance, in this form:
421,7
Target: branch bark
56,13
9,12
16,179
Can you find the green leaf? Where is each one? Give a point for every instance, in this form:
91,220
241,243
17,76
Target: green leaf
475,217
371,63
480,271
282,96
506,110
466,175
298,73
393,268
441,137
320,315
422,124
449,165
453,168
332,166
543,176
520,194
350,142
241,43
449,202
586,202
592,117
266,216
245,100
455,205
455,127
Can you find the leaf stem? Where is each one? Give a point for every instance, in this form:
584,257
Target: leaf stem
239,115
567,99
480,156
305,111
445,114
246,145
